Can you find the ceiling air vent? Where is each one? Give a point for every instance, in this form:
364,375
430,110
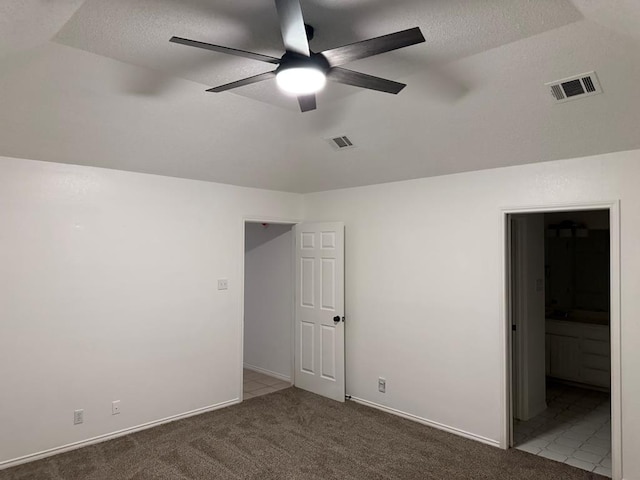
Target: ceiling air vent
576,87
341,143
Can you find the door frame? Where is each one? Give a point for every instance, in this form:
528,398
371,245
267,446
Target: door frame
615,318
274,221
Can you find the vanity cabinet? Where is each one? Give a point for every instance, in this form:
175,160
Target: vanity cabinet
578,352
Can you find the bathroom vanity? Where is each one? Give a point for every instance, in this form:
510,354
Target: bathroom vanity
578,350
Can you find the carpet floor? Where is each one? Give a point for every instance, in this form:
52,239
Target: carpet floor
293,434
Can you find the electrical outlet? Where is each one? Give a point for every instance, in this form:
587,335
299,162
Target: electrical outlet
223,284
115,407
78,417
382,385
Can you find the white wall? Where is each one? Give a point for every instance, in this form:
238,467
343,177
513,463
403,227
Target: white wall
108,290
424,291
268,298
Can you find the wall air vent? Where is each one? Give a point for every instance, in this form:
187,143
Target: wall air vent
572,88
341,143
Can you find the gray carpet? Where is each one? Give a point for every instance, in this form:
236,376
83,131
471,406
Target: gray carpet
293,434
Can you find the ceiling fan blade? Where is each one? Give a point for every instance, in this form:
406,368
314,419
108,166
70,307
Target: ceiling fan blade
294,33
243,82
307,102
357,79
227,50
367,48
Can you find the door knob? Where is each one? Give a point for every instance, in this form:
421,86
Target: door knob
336,319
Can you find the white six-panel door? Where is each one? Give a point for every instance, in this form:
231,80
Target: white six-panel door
319,312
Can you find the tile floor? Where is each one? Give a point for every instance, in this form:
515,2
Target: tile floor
574,429
256,384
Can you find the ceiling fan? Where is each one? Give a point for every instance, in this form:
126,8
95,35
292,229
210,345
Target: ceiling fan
303,72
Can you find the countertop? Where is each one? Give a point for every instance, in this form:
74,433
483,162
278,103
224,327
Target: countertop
581,316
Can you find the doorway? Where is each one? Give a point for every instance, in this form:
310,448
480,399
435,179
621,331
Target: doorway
293,320
563,344
268,308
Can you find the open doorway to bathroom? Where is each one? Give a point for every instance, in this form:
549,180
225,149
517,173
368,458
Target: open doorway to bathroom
268,308
560,311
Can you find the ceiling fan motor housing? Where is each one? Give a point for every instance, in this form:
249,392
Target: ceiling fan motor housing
295,60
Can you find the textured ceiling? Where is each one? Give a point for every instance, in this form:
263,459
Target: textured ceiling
137,32
98,83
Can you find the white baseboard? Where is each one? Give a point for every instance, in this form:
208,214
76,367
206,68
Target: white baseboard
109,436
429,423
279,376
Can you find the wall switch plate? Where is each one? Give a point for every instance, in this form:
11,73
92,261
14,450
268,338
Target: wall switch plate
382,385
223,284
78,417
115,407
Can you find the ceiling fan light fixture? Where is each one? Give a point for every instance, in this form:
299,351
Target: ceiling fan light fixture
301,80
